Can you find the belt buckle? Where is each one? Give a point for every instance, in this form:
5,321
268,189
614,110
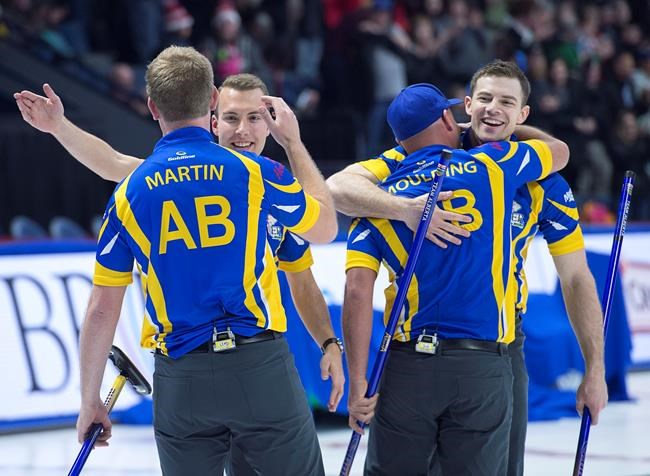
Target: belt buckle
427,344
224,340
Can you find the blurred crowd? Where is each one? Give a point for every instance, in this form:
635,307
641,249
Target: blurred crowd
588,62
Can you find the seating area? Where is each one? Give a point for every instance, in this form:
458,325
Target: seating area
22,227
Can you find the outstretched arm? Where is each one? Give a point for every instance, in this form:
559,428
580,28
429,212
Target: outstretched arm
313,311
585,314
356,194
46,114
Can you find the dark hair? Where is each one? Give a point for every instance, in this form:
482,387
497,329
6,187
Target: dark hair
503,69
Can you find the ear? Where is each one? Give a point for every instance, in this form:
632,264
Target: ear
214,123
155,113
468,105
448,120
523,114
214,98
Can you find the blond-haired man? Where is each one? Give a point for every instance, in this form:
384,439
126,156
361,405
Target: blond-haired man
194,217
240,127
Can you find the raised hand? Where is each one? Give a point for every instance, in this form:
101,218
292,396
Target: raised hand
43,113
445,225
283,124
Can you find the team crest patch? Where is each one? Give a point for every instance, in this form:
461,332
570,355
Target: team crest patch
517,220
273,229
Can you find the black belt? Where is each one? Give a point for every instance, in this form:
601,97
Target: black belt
206,347
457,344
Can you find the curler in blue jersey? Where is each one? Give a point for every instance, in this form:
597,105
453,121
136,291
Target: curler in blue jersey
402,286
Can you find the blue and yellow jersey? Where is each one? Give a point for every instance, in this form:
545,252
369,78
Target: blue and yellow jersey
194,217
460,292
547,206
292,253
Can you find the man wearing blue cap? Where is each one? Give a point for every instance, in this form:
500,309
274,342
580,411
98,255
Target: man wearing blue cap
446,389
496,105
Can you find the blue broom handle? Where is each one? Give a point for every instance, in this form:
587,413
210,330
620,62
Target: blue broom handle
606,302
403,283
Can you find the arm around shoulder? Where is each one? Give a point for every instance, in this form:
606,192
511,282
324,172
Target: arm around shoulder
559,149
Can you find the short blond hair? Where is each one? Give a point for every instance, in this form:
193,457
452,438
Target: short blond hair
244,82
180,81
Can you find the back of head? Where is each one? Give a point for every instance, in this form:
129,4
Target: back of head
502,69
180,81
415,108
244,82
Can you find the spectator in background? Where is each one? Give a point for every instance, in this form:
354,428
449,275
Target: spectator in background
424,64
124,88
591,125
629,151
295,57
230,49
384,45
178,24
641,75
145,19
619,89
564,43
468,44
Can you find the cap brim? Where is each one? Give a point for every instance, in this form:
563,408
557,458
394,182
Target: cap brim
453,102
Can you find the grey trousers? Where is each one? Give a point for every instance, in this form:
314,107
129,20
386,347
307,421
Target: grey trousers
519,407
519,402
456,406
252,395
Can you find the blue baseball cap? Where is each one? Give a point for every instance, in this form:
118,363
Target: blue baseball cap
415,108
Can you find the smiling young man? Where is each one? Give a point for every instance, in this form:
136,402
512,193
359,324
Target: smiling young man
242,126
497,106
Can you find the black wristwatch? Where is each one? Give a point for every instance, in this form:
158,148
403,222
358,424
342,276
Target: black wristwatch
331,340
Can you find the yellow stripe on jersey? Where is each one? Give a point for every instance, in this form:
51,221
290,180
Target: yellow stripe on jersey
568,244
389,295
255,195
506,313
312,212
571,212
126,216
544,153
103,227
107,277
536,192
148,330
511,298
158,300
301,264
358,259
514,147
412,295
294,187
270,290
377,167
394,154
